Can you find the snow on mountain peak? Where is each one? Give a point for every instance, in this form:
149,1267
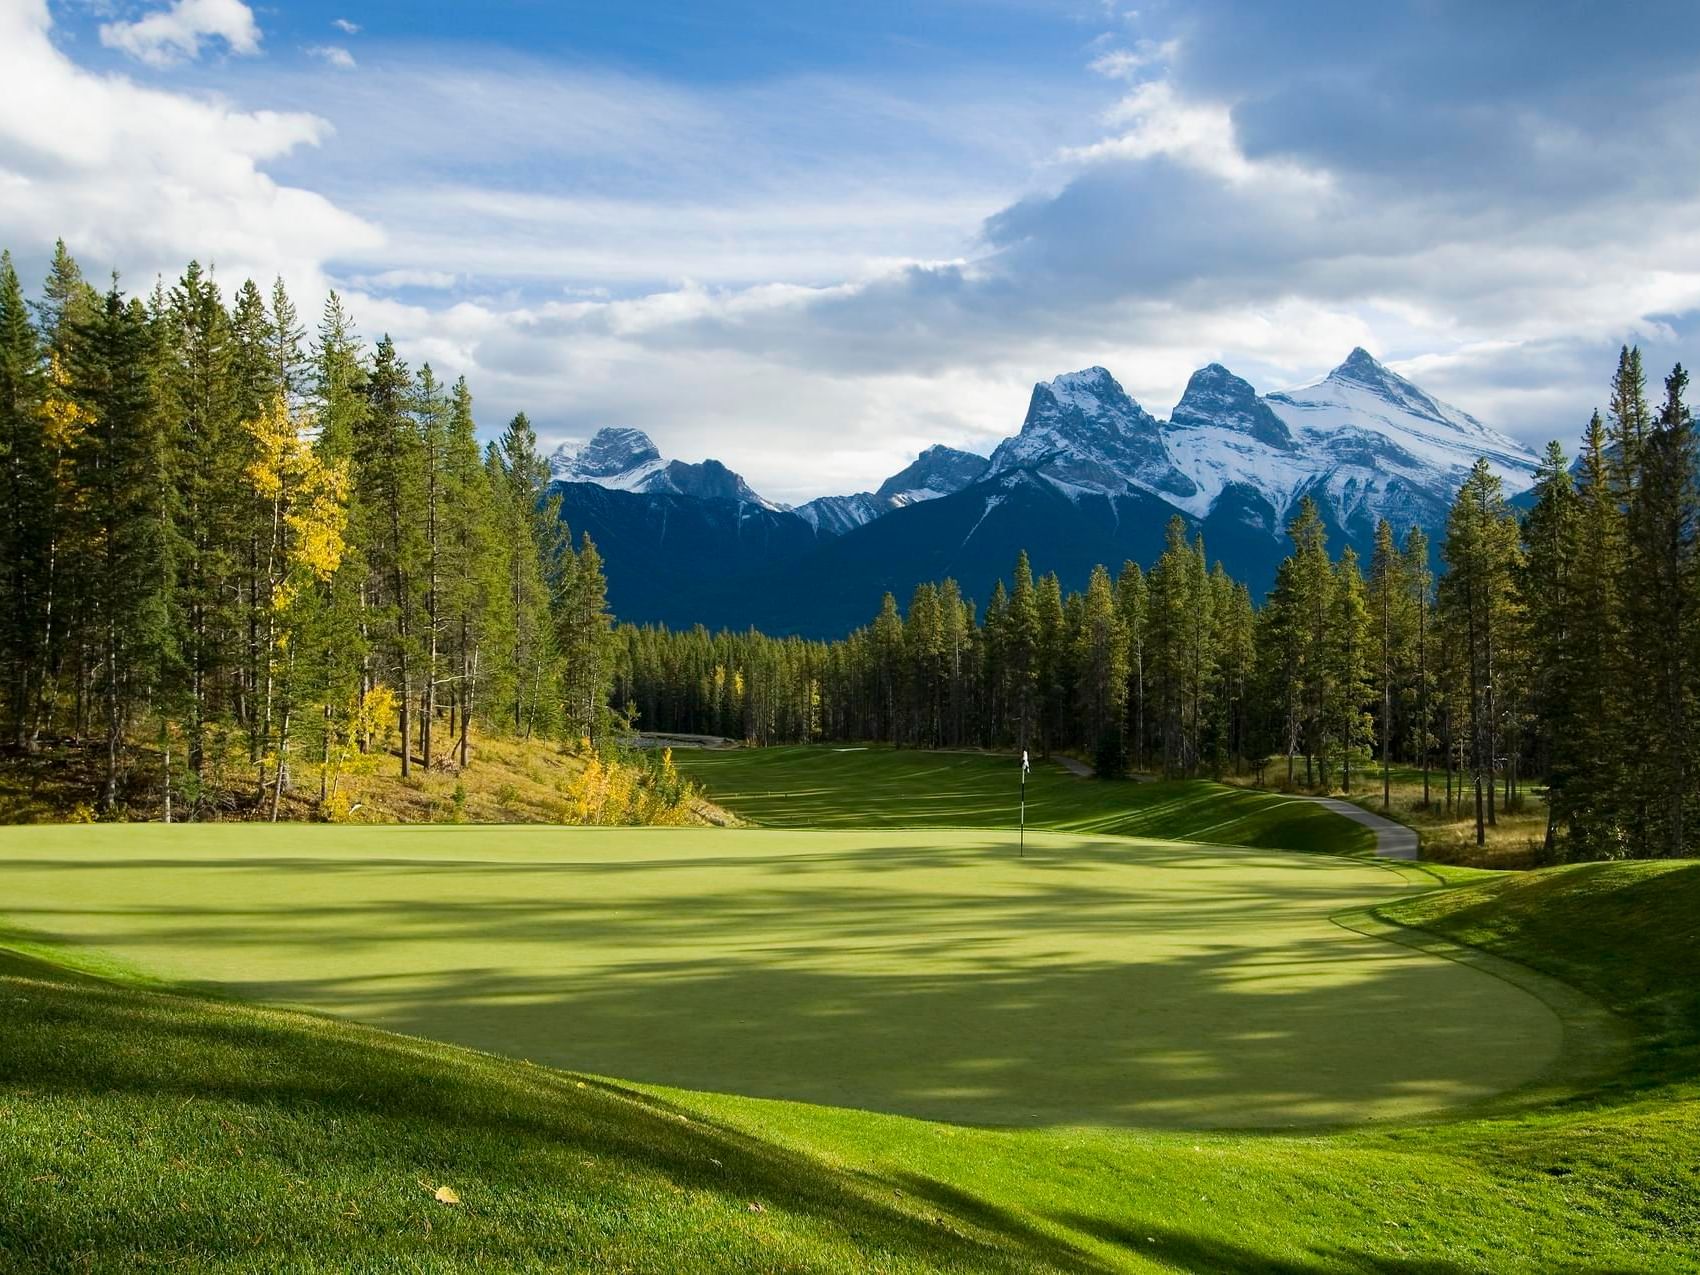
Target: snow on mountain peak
624,459
610,453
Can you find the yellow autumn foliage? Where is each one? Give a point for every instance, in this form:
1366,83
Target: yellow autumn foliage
607,791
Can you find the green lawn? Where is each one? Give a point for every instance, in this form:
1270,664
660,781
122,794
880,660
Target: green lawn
147,1128
825,787
1095,981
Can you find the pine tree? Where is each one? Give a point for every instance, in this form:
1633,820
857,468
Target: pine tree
1132,603
1102,658
26,509
1420,583
207,458
1546,594
1350,670
388,496
1481,555
585,647
539,567
1021,652
1661,616
120,464
1391,639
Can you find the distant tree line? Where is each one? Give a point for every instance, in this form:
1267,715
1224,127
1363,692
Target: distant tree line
258,552
1562,645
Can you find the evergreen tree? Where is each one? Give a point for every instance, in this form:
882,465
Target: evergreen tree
1546,593
1660,621
1481,555
120,464
26,510
388,498
1102,658
1350,671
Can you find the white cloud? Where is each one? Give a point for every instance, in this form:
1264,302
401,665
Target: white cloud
386,279
175,34
143,179
345,26
333,55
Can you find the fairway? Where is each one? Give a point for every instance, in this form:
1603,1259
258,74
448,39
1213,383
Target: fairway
819,786
1098,981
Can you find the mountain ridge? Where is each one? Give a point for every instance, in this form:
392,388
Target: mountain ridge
1091,476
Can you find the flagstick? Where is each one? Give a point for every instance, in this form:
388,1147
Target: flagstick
1021,853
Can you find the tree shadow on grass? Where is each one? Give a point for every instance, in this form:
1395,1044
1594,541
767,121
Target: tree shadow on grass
1118,986
1189,1252
311,1107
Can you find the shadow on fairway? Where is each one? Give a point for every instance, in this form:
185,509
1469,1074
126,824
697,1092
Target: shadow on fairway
1187,1252
1088,987
305,1114
819,787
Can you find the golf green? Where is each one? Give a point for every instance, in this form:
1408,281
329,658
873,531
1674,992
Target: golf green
1097,981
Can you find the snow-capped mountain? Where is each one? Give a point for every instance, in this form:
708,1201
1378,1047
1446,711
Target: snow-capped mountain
938,471
628,460
1363,441
1084,431
1092,477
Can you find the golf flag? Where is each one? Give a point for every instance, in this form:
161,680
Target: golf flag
1023,842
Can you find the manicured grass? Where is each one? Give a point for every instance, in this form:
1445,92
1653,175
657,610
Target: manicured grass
826,787
1515,840
139,1128
142,1129
1096,981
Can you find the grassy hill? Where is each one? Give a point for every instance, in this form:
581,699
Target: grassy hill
146,1128
142,1126
825,787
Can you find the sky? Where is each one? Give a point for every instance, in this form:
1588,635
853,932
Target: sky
810,240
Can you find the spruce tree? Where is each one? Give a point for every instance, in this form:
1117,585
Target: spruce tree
26,510
388,492
120,463
1660,620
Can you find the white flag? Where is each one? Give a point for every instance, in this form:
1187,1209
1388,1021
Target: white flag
1024,763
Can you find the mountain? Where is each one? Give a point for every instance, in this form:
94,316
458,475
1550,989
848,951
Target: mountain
628,460
938,471
1091,477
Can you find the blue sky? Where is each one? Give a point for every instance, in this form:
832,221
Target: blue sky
812,239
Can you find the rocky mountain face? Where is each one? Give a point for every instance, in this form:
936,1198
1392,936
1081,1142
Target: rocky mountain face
1091,476
938,471
628,460
1364,442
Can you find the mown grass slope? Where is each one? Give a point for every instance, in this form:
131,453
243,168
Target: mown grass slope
140,1128
934,973
824,787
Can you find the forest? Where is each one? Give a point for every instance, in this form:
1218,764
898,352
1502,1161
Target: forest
253,557
257,558
1556,646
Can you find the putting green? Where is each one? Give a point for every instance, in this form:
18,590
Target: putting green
1097,981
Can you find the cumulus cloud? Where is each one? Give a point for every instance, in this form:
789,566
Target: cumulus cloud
333,55
175,34
143,179
345,26
813,276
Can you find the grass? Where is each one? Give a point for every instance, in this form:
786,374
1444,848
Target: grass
1516,840
142,1128
1145,983
822,787
509,780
